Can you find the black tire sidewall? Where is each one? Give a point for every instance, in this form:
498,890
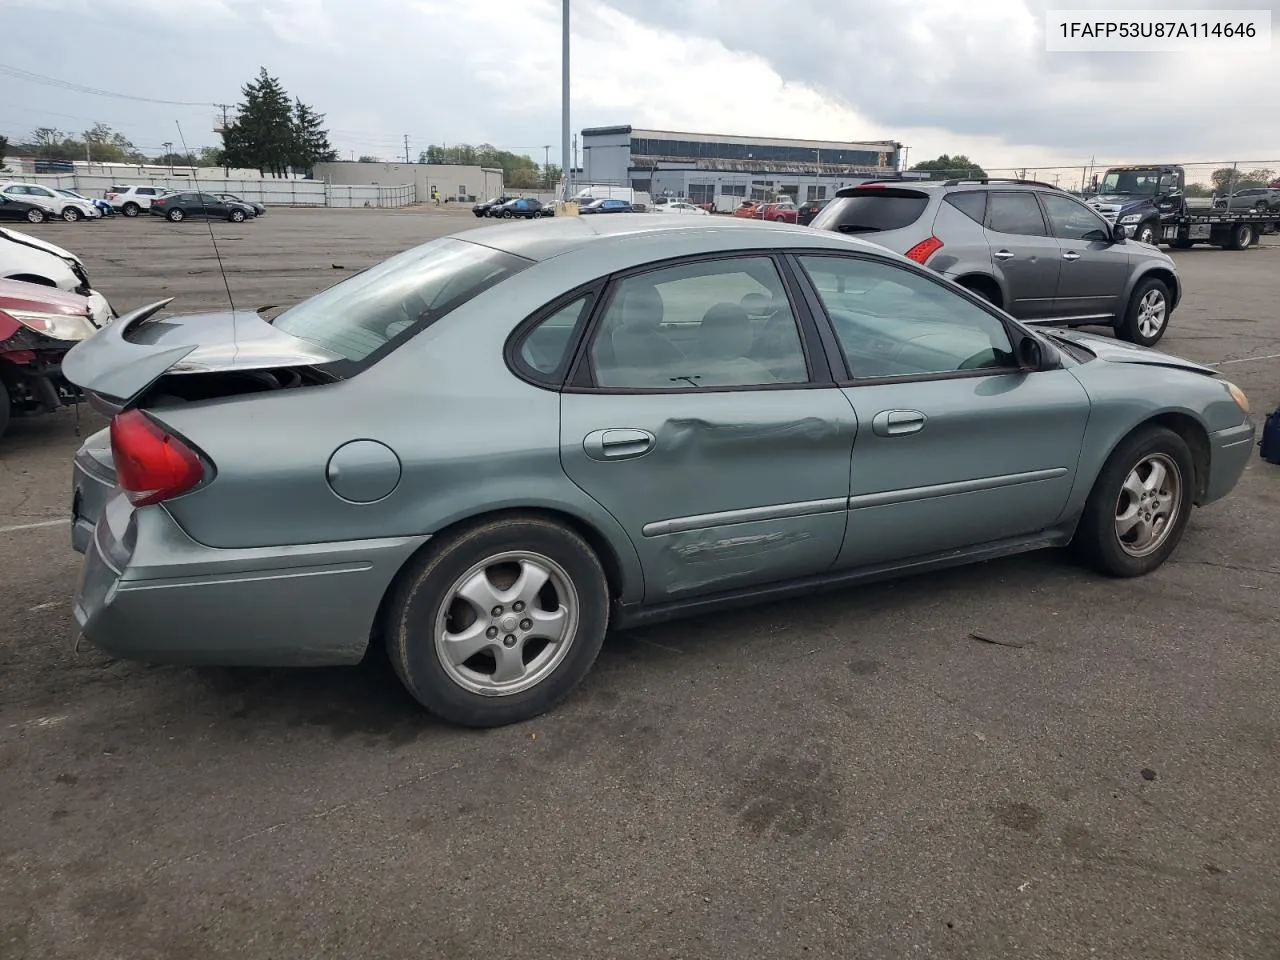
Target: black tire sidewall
1128,328
130,209
1096,536
410,629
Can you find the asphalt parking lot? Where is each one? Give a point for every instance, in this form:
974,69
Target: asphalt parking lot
848,775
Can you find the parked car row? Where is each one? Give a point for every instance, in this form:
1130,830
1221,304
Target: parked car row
508,208
36,203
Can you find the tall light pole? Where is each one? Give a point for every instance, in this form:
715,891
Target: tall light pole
567,174
546,163
168,153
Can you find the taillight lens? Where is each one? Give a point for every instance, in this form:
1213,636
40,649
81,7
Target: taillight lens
151,464
923,250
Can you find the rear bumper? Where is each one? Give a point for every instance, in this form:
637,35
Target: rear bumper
1229,453
93,479
149,592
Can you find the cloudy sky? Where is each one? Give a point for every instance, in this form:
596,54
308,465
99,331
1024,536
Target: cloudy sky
954,76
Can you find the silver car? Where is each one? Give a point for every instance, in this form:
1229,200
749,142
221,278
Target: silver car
488,450
1032,249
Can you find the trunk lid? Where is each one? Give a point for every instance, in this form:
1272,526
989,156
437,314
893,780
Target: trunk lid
127,357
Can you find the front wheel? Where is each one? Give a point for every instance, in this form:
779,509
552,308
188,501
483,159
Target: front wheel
1147,317
507,214
175,215
71,214
1147,234
1139,505
35,215
498,623
236,216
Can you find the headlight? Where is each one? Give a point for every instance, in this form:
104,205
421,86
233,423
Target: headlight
60,326
1131,218
1237,395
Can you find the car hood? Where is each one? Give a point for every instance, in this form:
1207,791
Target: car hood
44,245
1117,351
131,354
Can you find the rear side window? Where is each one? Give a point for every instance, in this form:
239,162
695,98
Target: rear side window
1016,213
972,203
390,302
545,350
872,211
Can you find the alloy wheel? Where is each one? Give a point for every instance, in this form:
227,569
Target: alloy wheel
1148,506
1152,311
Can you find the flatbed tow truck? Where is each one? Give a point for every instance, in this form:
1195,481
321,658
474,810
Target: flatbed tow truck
1150,202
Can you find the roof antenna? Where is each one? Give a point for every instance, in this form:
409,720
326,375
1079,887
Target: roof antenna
212,239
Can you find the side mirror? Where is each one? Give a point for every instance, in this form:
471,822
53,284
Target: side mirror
1117,233
1034,355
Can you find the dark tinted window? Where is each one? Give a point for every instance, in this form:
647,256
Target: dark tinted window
871,211
1016,213
1072,220
972,203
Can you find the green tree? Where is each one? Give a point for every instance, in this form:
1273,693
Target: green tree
211,157
947,166
4,150
365,158
104,145
1231,179
518,170
173,160
311,141
263,134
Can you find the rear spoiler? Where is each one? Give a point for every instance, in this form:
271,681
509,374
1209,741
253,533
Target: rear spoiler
108,364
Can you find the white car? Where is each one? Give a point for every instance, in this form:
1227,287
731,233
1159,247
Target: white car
68,208
133,199
33,260
680,206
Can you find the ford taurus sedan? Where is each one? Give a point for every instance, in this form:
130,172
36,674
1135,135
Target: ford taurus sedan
489,449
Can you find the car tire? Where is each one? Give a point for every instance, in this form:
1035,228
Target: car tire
487,560
35,215
1147,317
71,214
537,214
1124,491
507,214
175,215
130,209
236,216
1147,233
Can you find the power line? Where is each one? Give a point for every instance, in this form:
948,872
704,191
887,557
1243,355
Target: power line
19,74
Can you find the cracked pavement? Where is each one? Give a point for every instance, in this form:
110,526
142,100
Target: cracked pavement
847,775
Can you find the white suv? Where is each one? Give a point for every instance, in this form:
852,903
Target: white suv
58,205
132,200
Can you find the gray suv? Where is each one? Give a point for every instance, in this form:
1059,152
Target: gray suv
1031,249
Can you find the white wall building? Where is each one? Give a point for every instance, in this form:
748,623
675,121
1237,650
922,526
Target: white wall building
457,182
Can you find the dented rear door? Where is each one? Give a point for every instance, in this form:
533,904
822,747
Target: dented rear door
717,490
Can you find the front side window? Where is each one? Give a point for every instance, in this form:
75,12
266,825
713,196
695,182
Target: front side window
891,322
1072,220
719,323
391,301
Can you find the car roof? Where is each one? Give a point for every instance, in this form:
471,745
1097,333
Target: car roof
547,238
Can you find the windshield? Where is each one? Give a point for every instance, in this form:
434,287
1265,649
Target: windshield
71,193
395,299
1139,183
872,211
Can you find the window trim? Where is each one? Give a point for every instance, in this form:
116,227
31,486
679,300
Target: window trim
844,378
1043,198
515,340
1044,220
581,377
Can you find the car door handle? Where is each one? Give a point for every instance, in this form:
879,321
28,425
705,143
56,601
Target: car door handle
1003,255
897,423
1071,255
618,443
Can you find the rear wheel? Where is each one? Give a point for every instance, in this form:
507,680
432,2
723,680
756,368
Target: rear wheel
130,209
1147,316
71,214
507,214
1242,237
985,289
499,622
1139,505
175,214
35,215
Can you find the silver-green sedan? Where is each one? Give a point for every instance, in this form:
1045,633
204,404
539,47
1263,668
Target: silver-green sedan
490,449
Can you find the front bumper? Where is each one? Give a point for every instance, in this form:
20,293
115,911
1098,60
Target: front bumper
149,592
1229,453
100,308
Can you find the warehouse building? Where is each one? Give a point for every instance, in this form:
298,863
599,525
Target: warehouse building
701,166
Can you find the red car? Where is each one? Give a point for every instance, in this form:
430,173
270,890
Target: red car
784,211
748,209
38,325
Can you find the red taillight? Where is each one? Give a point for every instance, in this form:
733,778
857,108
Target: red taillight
923,250
151,465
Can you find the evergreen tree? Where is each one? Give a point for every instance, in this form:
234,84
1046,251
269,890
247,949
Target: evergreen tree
311,140
263,135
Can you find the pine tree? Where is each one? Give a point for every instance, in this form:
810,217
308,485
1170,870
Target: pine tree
311,140
263,134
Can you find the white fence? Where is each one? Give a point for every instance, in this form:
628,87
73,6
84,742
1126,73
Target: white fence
281,193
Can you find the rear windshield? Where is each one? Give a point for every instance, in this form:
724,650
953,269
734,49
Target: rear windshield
390,302
872,211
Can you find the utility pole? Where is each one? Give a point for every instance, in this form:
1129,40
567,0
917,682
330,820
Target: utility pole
226,161
546,163
406,148
575,151
567,175
168,154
